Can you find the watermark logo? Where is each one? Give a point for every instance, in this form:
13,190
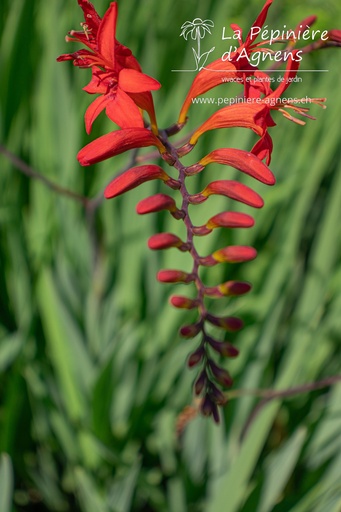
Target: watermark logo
196,30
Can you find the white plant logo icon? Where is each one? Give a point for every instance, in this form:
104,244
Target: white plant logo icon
197,30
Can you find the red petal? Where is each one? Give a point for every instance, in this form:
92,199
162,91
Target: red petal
259,22
205,80
263,148
290,73
134,177
144,100
131,80
240,115
123,111
99,82
234,190
106,34
93,110
91,18
115,143
244,161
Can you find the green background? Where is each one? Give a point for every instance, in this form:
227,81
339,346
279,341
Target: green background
92,370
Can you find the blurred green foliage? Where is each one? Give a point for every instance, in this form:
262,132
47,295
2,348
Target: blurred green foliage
92,371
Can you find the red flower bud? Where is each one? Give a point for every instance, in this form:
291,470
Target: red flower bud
183,302
229,323
216,395
234,254
117,142
223,347
233,190
208,408
196,357
134,177
222,376
156,203
190,331
228,289
335,36
230,220
200,382
166,241
244,161
174,276
306,23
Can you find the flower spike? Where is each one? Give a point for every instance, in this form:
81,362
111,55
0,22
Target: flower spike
124,93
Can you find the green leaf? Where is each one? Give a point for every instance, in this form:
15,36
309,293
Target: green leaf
279,468
6,483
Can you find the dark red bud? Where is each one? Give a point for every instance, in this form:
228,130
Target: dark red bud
200,382
223,347
190,331
216,395
229,323
196,357
222,376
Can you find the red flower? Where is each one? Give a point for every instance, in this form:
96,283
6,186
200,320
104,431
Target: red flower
116,74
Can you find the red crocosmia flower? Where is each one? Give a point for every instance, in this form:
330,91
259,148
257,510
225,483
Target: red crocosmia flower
116,74
116,99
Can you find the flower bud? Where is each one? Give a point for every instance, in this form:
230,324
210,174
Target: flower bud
244,161
166,241
196,357
222,376
174,276
200,382
234,254
190,331
183,302
223,348
228,289
229,323
156,203
216,395
233,190
230,220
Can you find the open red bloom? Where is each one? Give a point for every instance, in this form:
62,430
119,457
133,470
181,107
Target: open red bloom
116,74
